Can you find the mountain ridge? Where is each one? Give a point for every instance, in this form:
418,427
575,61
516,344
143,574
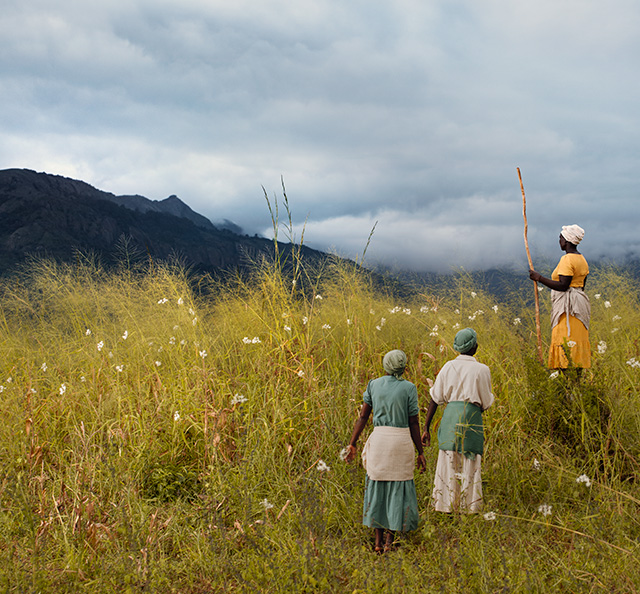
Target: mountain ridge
48,215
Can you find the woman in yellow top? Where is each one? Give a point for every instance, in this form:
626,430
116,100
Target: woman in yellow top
570,307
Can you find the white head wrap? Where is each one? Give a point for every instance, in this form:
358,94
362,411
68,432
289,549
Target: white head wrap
572,233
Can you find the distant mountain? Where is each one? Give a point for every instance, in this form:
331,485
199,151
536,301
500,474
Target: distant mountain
54,216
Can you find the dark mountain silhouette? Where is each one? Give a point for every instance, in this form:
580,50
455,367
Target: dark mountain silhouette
57,217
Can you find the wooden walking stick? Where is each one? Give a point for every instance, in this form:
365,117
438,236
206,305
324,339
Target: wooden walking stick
535,284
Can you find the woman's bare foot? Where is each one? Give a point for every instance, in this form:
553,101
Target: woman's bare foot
388,543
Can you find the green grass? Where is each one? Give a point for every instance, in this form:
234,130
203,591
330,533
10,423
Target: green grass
157,437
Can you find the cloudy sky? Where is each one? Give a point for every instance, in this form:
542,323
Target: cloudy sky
412,113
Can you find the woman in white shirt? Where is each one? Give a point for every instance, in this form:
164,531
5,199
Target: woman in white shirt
464,386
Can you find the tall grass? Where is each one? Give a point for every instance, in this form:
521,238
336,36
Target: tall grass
156,438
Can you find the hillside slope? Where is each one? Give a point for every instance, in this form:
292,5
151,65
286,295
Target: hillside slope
54,216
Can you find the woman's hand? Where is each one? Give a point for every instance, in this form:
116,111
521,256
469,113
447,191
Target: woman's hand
421,463
350,453
534,276
426,439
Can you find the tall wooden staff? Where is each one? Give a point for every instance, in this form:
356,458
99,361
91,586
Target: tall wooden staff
535,284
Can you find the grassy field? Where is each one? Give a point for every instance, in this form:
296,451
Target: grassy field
160,435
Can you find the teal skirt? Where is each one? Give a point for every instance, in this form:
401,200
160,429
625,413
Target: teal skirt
392,505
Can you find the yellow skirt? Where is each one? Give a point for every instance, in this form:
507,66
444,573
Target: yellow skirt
577,344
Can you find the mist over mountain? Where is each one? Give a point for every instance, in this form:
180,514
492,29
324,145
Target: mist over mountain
58,217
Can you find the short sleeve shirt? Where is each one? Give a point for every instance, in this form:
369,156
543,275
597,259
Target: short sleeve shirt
464,379
392,401
573,265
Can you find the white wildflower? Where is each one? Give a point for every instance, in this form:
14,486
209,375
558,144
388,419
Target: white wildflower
326,327
442,348
63,389
474,294
100,345
633,362
194,321
536,464
322,466
43,367
264,503
378,328
119,368
287,328
607,304
616,318
473,317
176,416
545,510
246,340
517,321
172,340
158,363
372,312
33,391
319,297
489,516
571,343
238,399
344,452
1,389
203,354
602,347
495,308
9,380
459,476
110,355
125,335
83,379
88,332
424,309
540,289
456,325
349,322
383,321
163,300
183,342
406,311
180,301
614,330
597,295
457,311
255,340
395,310
554,374
300,373
191,312
583,478
305,320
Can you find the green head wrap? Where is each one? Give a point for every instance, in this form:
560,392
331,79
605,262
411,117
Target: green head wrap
394,363
465,340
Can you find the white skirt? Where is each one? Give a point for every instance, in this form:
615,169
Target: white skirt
457,485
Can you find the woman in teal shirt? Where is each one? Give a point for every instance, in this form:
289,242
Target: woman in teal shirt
390,500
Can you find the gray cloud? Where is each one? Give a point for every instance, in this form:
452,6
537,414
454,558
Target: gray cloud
410,113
